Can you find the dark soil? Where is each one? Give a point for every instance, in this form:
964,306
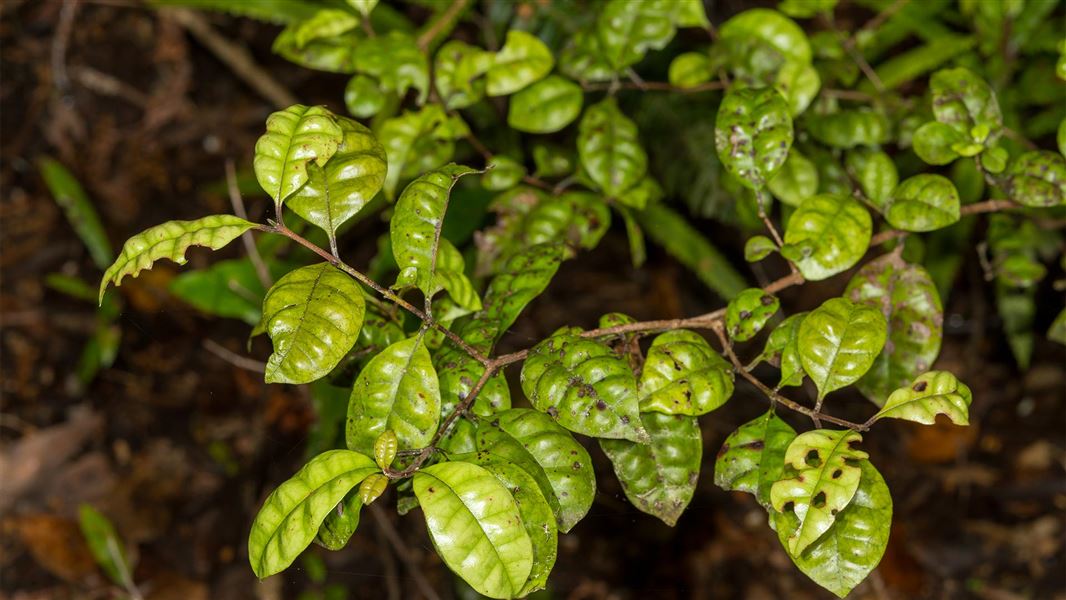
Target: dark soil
178,447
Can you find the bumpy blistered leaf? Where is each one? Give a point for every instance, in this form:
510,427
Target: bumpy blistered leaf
291,515
907,297
827,235
560,465
875,173
851,549
1038,178
796,181
690,69
397,390
171,240
385,447
584,385
626,30
825,483
931,394
415,229
341,522
683,375
396,61
923,203
546,106
964,101
523,60
326,41
372,488
849,128
457,72
458,373
782,349
336,192
476,527
659,477
753,457
537,518
748,313
313,316
839,341
609,148
753,134
294,138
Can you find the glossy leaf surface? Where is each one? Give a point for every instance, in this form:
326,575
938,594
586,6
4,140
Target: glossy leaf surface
79,210
1038,179
748,313
796,181
827,235
609,147
923,203
931,394
753,134
546,106
838,343
753,457
340,524
782,349
294,138
683,375
522,60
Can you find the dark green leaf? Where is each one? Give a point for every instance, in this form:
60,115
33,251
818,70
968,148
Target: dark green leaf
753,457
626,30
1038,178
827,235
79,210
610,148
546,106
849,128
341,522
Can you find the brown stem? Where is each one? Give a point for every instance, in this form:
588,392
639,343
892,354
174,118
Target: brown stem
237,202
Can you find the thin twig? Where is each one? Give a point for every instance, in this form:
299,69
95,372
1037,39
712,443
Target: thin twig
59,46
247,239
243,362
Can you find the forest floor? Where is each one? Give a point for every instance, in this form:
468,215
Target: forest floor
178,447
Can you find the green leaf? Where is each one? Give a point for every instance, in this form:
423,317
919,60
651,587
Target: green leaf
659,477
915,63
385,447
553,161
935,142
609,148
363,97
292,514
753,134
106,546
964,101
584,60
537,518
799,83
753,457
457,71
534,441
690,69
313,316
79,210
825,482
584,385
796,181
683,375
474,523
363,6
1038,179
849,128
458,373
396,61
838,343
875,172
805,9
503,173
271,11
228,288
931,394
294,138
908,299
416,142
341,522
325,42
748,313
851,549
782,350
397,390
415,229
1057,331
627,30
523,60
348,181
770,26
923,203
546,106
827,235
758,247
1061,137
646,191
171,240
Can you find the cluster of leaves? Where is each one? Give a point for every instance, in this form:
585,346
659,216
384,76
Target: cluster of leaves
428,411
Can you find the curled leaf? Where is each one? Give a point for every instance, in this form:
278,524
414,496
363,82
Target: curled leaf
294,138
932,393
753,457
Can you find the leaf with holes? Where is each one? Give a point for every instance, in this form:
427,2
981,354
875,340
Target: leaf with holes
839,341
827,235
923,203
294,138
753,457
476,527
852,547
609,148
782,350
530,438
1038,179
748,313
171,240
931,394
337,191
753,134
825,481
659,477
683,375
908,299
546,106
313,316
584,385
291,515
397,390
523,60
